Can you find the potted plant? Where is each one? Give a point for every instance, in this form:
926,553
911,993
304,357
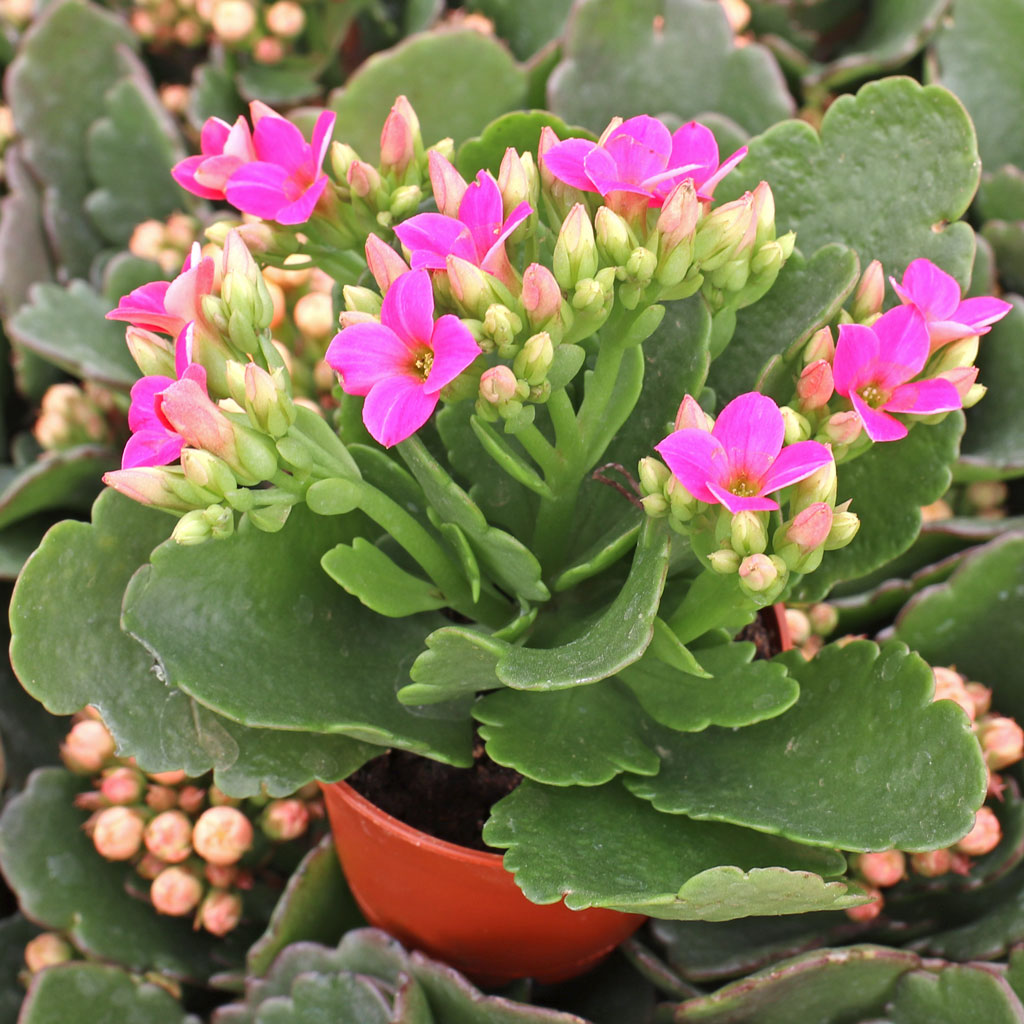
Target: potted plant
589,419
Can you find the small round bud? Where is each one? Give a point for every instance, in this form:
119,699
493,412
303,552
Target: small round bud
867,911
171,778
284,819
168,836
149,866
221,876
498,384
725,561
932,863
46,950
220,912
161,798
949,685
285,18
757,573
314,315
87,747
117,833
122,785
799,626
233,20
882,869
984,835
191,799
981,696
175,891
222,835
824,618
1002,741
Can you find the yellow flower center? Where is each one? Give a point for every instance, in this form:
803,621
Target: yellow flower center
743,488
874,395
424,363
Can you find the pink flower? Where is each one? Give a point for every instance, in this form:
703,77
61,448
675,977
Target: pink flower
873,368
284,181
224,148
402,363
641,157
936,296
167,306
476,235
741,459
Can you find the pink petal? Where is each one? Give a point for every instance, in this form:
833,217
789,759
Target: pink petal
515,218
607,176
707,187
431,238
855,358
454,350
396,408
184,173
695,457
878,425
750,429
366,354
481,212
932,290
259,188
238,144
141,414
979,314
795,462
184,295
566,162
151,447
902,345
924,397
213,173
213,135
408,308
640,148
144,307
299,211
183,350
695,144
322,131
736,503
277,141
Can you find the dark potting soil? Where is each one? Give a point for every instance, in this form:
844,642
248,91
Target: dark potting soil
453,803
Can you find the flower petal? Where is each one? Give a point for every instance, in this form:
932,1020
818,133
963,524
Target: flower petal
795,462
454,349
408,308
980,313
694,144
877,425
299,211
607,176
481,212
515,218
322,132
396,408
902,345
566,162
695,457
431,238
184,173
933,291
640,148
855,358
750,429
141,412
707,187
259,188
924,397
366,354
277,141
736,503
151,447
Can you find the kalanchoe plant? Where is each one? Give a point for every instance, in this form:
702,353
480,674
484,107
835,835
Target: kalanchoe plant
437,546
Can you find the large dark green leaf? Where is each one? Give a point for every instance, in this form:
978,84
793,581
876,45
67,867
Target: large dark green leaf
852,764
626,57
956,994
255,630
527,25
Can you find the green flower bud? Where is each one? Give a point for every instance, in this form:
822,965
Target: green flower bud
655,505
534,360
207,471
615,238
641,265
361,300
654,475
749,532
725,561
575,255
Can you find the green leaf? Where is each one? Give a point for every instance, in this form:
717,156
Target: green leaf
975,621
806,295
64,884
369,575
1007,241
481,80
519,129
615,640
67,327
824,772
129,155
956,994
741,691
291,81
1000,195
600,847
605,551
994,441
25,255
316,906
72,588
458,661
892,165
976,53
828,985
318,661
583,736
626,57
527,25
84,991
890,517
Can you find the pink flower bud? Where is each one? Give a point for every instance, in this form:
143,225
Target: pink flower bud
815,385
117,833
46,950
161,798
191,799
222,876
810,527
542,298
122,785
87,747
220,912
169,837
364,179
678,218
867,911
870,293
932,863
399,137
175,891
90,801
799,626
233,20
498,384
882,869
385,264
758,573
981,696
222,835
285,18
984,835
517,180
691,416
149,866
843,427
949,685
824,618
284,819
1002,741
449,186
962,378
821,346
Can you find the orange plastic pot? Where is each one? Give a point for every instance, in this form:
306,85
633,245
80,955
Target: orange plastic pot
460,905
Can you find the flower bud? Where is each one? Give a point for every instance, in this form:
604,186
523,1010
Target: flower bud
148,866
267,401
342,157
799,626
541,295
677,222
882,869
749,532
655,505
724,561
191,799
819,486
169,837
956,355
534,359
222,835
815,385
232,20
845,525
984,835
842,428
47,950
385,264
365,182
615,238
175,891
870,293
222,876
796,427
867,911
641,265
681,502
932,863
821,346
161,798
721,231
575,255
501,325
208,472
1002,741
981,698
498,384
823,618
764,215
220,912
518,180
122,785
87,747
471,287
803,537
153,355
691,416
654,475
400,138
201,525
758,573
949,685
449,186
285,18
117,833
283,820
159,486
404,200
168,778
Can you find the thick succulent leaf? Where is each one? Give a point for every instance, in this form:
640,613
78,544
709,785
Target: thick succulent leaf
64,884
480,80
458,661
893,164
600,847
72,588
1007,240
316,906
53,113
289,82
740,692
520,130
1000,195
526,25
890,518
66,327
25,255
830,985
253,629
583,736
851,764
976,53
86,991
214,93
615,640
626,57
956,994
806,295
975,621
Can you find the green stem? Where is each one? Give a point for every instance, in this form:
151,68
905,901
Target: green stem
567,431
539,448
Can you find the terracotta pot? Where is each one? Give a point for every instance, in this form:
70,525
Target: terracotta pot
461,905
